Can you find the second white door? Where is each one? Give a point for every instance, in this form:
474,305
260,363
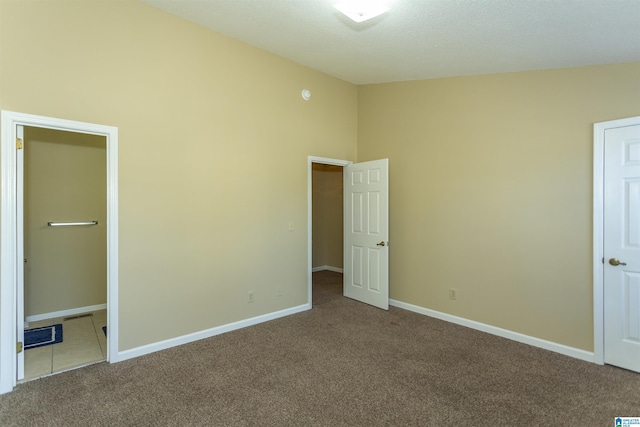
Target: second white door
622,246
366,232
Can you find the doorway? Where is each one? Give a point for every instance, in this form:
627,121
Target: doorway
616,243
365,229
326,183
327,218
65,249
12,259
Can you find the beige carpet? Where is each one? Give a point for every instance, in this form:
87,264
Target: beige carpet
342,363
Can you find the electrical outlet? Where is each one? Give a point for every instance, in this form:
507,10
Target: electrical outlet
279,292
251,297
292,225
453,293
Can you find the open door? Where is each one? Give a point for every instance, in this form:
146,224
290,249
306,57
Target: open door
622,245
366,232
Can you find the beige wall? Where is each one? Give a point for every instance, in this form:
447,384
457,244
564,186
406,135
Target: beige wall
490,175
491,191
213,145
327,216
64,180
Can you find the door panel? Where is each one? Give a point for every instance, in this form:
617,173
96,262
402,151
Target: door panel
632,297
366,266
356,267
622,247
374,270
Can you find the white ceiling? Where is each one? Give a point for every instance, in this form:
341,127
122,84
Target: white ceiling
424,39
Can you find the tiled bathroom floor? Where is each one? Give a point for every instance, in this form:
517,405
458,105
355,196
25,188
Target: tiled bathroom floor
83,343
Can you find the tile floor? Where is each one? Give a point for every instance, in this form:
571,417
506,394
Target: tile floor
83,343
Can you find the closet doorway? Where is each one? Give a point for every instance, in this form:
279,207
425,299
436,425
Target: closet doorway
326,211
327,215
365,229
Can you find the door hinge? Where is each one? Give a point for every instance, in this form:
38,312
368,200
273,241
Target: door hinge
18,143
18,347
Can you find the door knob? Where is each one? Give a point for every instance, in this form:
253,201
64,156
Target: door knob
615,262
380,244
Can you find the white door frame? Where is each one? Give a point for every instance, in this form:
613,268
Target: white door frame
310,161
598,232
9,262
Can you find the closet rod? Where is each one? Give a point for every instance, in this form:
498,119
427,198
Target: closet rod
64,224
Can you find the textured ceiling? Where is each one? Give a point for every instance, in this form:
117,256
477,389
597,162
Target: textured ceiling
424,39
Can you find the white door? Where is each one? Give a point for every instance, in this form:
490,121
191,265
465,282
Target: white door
622,247
366,232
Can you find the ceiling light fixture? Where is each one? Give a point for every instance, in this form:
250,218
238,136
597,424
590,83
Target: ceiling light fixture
362,10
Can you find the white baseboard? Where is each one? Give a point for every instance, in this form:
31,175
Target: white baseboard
208,333
66,313
327,267
504,333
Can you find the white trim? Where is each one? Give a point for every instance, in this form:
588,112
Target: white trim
327,267
8,223
598,231
310,161
65,313
19,289
493,330
208,333
598,243
8,255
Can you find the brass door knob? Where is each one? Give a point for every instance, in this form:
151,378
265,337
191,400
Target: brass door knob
380,244
615,262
